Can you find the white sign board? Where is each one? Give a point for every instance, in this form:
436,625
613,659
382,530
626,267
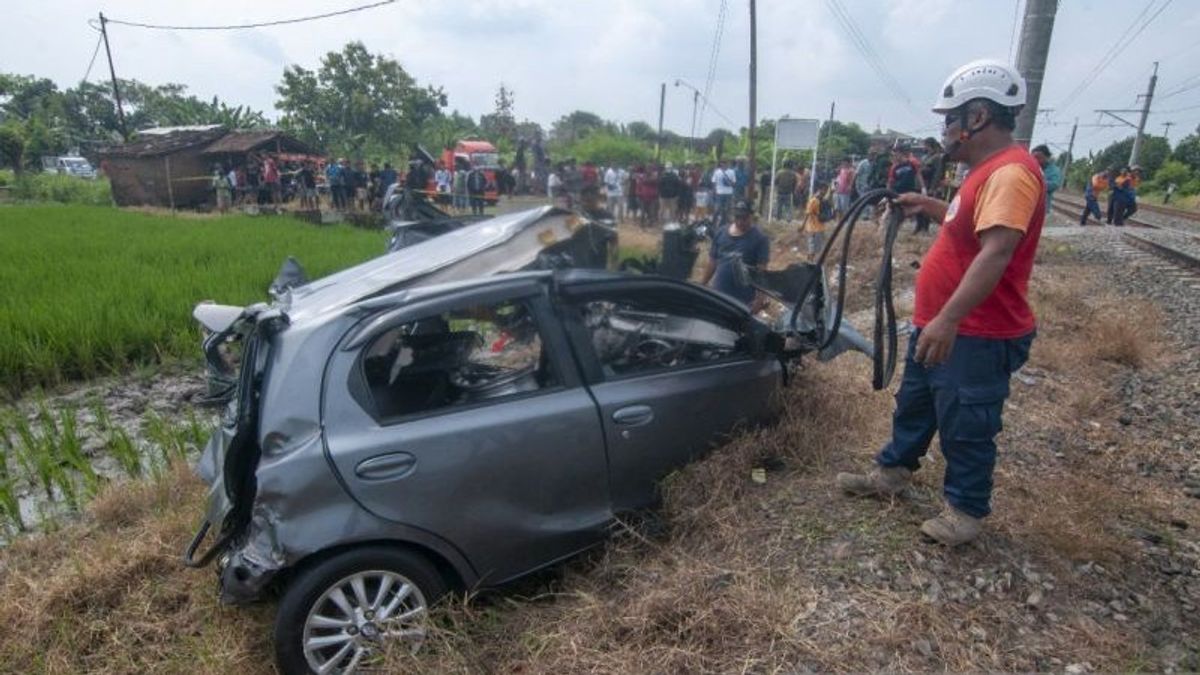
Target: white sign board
796,134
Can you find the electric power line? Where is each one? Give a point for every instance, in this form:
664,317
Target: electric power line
261,24
712,62
1187,84
868,53
1113,52
92,61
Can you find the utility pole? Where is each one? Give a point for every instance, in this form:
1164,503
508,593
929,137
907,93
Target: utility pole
1036,29
692,137
753,179
1167,129
662,102
1137,140
1070,150
113,73
828,132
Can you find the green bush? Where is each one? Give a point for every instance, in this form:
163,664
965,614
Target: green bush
605,149
47,187
1172,171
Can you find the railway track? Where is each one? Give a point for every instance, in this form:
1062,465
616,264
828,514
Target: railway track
1148,215
1188,260
1149,239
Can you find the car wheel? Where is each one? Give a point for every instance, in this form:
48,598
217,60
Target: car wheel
348,609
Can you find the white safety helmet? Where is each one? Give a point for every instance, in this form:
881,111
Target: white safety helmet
986,78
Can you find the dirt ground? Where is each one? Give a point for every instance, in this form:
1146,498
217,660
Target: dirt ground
1090,561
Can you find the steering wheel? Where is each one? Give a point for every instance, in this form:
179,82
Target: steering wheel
655,351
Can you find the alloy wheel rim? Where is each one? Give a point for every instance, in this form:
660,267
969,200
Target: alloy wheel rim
359,617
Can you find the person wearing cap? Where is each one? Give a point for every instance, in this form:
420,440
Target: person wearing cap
973,323
740,240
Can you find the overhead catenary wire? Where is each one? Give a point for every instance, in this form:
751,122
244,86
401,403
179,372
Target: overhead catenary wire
714,52
863,45
1127,38
258,24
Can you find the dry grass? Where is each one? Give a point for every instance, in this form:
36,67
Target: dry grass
109,595
729,576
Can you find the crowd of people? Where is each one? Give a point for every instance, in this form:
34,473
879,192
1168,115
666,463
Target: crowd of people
265,180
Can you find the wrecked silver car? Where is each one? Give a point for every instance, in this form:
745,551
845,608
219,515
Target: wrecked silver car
462,412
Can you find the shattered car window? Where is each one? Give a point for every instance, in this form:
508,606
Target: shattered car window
461,357
631,338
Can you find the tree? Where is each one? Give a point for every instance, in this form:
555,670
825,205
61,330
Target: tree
607,148
444,131
12,148
642,131
1155,151
356,102
578,124
500,124
1188,151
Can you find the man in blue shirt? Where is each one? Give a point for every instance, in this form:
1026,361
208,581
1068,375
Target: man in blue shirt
1050,171
741,239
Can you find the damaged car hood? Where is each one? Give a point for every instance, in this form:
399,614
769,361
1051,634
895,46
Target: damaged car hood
502,244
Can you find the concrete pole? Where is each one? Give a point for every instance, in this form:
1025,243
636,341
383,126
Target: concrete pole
662,102
752,181
1036,30
1070,150
1137,140
113,73
692,137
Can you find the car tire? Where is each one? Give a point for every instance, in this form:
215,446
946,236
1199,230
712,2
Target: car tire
313,626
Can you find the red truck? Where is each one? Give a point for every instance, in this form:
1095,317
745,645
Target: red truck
476,154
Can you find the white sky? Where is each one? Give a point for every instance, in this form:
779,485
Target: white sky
610,56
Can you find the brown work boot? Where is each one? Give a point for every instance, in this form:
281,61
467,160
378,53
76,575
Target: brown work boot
952,527
880,481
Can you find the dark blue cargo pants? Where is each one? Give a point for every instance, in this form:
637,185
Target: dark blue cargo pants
962,400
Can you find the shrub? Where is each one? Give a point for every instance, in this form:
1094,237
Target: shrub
43,187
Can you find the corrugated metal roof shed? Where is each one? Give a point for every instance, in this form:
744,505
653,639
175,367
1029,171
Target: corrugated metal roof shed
270,140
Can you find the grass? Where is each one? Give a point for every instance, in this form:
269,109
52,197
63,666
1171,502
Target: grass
730,576
91,291
43,187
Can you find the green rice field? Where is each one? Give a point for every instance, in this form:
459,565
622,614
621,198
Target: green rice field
93,290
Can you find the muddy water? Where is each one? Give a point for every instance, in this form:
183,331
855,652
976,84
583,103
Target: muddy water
140,406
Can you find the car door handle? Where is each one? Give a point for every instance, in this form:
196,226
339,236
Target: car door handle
386,467
634,415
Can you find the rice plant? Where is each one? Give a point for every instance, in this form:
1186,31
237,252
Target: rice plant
93,291
71,450
33,455
170,439
197,431
117,441
10,505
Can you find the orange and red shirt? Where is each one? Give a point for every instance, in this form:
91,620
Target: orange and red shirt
1005,190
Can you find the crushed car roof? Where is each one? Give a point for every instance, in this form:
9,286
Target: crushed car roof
502,244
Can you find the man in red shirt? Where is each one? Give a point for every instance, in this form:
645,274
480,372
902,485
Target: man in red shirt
973,322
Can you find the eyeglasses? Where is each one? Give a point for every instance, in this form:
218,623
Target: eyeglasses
952,119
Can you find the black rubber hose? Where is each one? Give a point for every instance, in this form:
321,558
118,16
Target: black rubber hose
884,358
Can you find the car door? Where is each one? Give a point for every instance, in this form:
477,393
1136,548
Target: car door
427,425
674,368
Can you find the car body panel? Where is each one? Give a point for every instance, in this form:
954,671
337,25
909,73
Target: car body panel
494,489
